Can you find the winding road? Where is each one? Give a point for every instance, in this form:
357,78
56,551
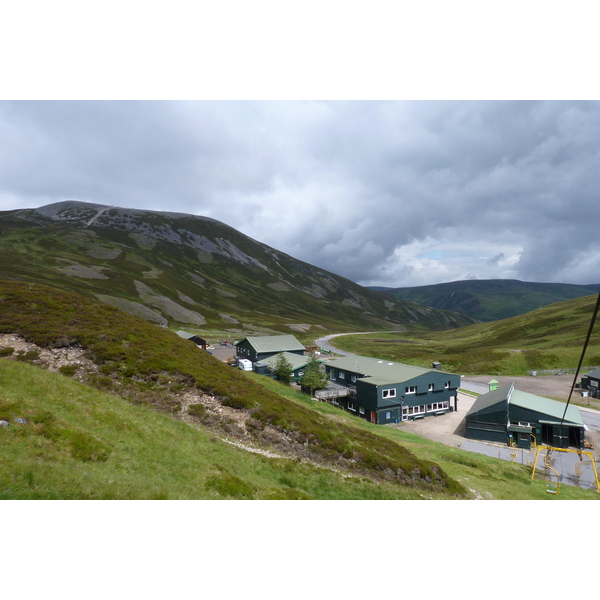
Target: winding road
323,342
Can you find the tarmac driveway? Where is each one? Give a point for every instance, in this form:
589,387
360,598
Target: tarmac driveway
449,428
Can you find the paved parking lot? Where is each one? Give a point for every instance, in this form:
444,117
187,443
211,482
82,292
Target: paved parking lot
448,429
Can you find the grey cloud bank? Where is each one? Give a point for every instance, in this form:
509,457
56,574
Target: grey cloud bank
384,193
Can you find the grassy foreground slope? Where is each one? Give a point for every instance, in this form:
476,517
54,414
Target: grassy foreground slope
549,338
152,367
79,443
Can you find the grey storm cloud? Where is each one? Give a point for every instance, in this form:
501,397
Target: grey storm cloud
384,193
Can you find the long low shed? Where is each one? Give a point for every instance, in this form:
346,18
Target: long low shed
509,416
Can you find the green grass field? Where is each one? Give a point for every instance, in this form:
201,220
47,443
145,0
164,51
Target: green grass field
549,338
118,434
79,443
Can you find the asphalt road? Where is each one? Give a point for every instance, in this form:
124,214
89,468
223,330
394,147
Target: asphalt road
323,342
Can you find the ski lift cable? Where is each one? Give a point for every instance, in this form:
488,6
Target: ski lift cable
587,339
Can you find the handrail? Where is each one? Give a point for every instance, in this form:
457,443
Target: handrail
579,452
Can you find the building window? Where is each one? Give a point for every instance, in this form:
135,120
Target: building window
437,406
361,410
353,378
416,410
342,375
447,385
389,393
332,375
411,389
388,415
351,406
431,387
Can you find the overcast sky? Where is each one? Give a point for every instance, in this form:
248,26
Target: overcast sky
395,193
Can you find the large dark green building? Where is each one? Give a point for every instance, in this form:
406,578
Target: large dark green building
509,416
382,392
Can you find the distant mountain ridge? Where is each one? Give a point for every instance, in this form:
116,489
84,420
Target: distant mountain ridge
176,269
491,299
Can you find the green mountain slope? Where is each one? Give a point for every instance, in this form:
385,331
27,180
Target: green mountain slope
181,270
153,368
492,299
548,338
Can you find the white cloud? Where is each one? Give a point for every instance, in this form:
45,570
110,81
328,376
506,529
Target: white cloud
387,193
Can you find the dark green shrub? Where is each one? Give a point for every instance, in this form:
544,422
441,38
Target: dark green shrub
230,486
68,370
9,410
29,356
6,351
86,448
101,383
174,406
237,403
197,410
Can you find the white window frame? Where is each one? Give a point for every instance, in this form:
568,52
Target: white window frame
411,389
361,410
431,387
435,406
351,406
446,385
388,393
342,375
353,378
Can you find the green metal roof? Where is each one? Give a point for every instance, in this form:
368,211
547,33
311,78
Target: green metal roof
496,396
528,401
296,360
594,373
274,343
546,406
379,372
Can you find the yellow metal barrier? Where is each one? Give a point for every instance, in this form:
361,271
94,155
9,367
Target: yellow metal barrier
552,488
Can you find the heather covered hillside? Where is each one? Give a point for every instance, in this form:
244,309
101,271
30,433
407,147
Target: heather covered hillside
182,270
153,368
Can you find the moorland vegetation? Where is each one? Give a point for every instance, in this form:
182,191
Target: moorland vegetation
124,430
550,338
152,367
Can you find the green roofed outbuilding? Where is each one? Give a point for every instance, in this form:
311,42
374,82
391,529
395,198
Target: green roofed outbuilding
259,348
508,416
